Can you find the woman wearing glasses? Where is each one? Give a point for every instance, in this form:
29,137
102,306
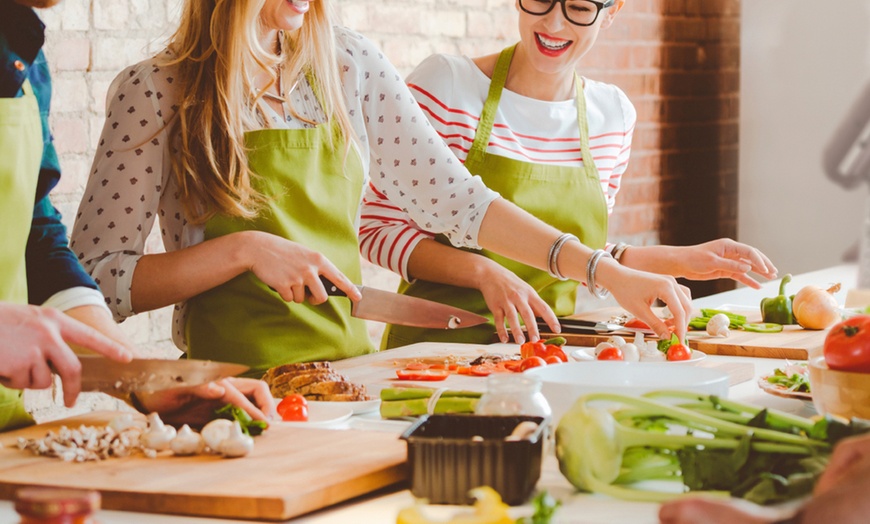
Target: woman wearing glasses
551,141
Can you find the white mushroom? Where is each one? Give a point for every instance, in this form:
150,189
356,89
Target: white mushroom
158,436
187,442
216,432
617,341
602,346
630,353
237,444
718,324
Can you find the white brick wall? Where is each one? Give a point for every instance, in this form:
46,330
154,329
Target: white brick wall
90,41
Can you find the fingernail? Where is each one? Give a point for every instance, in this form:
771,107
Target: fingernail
520,339
503,339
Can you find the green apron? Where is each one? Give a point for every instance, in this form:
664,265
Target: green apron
568,198
20,159
313,194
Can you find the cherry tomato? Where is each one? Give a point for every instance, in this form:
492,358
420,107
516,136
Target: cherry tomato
423,374
293,408
847,345
481,371
553,359
636,323
613,353
679,352
533,349
532,362
553,350
512,365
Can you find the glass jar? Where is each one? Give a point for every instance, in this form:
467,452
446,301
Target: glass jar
513,394
56,506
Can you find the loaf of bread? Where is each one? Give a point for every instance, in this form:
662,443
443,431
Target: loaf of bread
314,381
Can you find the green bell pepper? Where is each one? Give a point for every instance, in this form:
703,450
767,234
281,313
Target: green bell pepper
778,309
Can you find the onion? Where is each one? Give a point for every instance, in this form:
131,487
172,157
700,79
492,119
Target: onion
816,308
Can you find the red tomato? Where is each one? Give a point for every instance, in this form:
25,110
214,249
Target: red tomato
555,351
636,323
416,366
611,354
679,352
464,370
532,362
553,359
512,365
533,349
423,374
847,345
293,408
481,371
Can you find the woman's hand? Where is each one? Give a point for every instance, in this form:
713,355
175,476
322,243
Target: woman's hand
851,455
293,270
722,258
637,291
196,405
690,510
509,297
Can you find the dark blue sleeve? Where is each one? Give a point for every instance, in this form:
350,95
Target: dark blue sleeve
51,265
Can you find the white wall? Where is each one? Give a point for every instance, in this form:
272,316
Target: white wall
803,63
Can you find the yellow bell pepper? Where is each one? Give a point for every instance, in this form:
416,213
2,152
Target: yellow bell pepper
488,509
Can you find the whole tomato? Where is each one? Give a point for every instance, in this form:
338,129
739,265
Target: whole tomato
847,345
293,408
679,352
532,362
611,354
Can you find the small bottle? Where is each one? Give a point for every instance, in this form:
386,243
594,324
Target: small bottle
513,394
56,506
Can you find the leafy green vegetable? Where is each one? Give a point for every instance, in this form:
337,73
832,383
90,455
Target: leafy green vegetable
249,426
545,507
664,344
794,382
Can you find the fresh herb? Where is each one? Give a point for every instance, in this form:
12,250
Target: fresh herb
545,507
795,381
249,425
664,344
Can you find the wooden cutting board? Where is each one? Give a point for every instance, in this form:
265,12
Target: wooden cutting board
793,342
291,471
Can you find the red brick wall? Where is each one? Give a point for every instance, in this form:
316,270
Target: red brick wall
678,61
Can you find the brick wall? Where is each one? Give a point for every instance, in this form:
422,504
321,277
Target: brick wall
676,59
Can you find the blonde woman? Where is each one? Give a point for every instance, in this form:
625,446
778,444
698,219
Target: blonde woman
553,142
251,139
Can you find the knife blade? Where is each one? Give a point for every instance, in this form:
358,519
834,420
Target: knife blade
140,374
574,325
394,308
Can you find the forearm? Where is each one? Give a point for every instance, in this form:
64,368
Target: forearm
436,262
663,260
169,278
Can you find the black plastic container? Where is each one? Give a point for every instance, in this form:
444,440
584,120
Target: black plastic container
446,460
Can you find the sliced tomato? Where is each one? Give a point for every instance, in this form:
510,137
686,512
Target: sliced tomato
512,365
553,359
422,374
636,323
464,370
453,367
481,371
532,362
553,350
613,353
533,349
679,352
416,366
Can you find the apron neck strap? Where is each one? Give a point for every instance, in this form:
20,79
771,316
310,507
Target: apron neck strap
582,121
487,117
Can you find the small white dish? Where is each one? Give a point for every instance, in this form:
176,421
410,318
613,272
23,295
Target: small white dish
587,354
322,414
357,406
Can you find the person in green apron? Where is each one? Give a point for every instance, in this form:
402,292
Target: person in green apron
36,264
521,120
253,148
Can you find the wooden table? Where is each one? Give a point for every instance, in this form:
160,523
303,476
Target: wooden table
382,507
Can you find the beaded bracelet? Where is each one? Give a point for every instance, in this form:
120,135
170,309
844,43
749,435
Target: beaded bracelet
553,256
591,268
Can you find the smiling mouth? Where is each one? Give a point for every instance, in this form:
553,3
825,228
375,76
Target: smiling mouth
300,6
552,45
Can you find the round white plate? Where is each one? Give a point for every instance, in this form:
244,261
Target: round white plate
357,406
779,391
323,414
586,354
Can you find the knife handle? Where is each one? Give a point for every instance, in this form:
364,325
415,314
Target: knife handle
331,289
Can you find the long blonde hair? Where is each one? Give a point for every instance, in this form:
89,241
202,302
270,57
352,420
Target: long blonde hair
217,52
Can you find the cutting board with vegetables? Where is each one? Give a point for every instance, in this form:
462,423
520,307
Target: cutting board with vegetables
291,471
793,342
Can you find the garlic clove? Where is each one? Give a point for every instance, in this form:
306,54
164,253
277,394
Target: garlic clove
216,432
187,442
158,436
237,444
124,422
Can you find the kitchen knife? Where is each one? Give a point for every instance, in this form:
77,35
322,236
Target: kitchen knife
573,325
118,379
393,308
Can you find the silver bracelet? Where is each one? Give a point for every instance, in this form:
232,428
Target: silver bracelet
553,256
591,267
618,250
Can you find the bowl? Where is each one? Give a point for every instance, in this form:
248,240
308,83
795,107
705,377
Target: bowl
565,383
842,393
449,455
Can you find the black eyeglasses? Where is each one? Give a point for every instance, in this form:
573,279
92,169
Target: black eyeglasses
578,12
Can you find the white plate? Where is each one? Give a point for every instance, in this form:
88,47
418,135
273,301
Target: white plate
357,406
586,354
323,414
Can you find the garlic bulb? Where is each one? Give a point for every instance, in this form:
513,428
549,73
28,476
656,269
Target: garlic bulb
237,444
158,436
718,324
125,421
216,432
187,442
